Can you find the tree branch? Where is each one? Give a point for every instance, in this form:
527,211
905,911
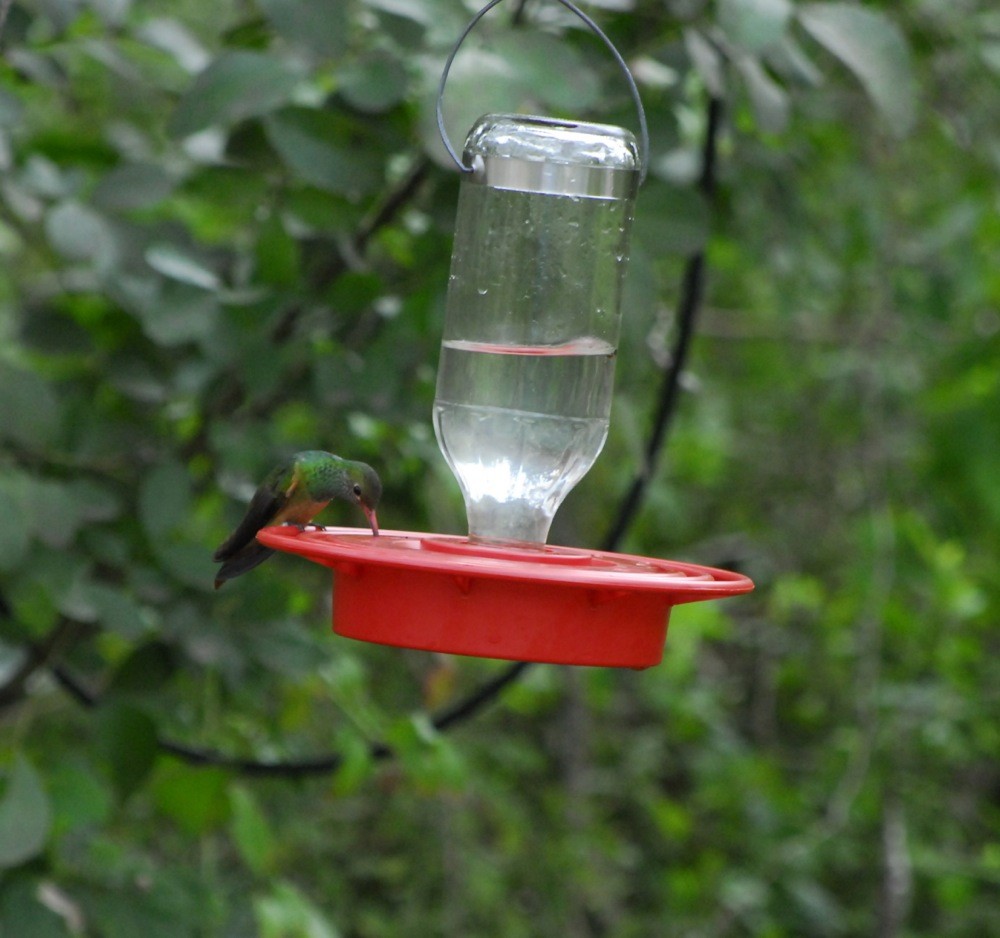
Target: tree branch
479,698
692,291
292,768
517,17
252,768
38,655
394,200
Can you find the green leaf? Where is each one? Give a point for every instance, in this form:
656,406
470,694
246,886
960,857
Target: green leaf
514,70
429,758
236,86
790,61
420,11
176,40
29,410
127,741
145,670
473,70
278,261
354,291
56,512
79,233
116,611
707,62
193,797
22,912
132,186
755,25
356,763
374,83
874,49
311,143
80,798
180,313
112,12
15,532
250,831
11,110
76,602
546,68
767,97
178,264
25,815
164,499
94,500
287,913
189,563
34,592
321,28
167,905
671,218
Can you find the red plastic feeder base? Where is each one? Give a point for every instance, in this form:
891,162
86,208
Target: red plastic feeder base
555,604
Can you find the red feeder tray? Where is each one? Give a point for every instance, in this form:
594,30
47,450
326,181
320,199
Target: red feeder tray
553,604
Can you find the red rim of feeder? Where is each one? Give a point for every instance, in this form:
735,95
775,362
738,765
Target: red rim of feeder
558,605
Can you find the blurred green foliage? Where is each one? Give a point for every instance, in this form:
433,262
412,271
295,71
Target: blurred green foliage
225,231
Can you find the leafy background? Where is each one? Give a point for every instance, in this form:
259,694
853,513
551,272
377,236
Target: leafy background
225,231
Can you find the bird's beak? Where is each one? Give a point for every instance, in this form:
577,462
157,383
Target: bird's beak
370,515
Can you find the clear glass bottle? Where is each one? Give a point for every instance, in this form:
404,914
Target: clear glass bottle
533,314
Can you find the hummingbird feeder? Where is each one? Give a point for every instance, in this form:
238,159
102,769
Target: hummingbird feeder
521,412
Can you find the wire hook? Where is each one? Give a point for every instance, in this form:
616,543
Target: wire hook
643,128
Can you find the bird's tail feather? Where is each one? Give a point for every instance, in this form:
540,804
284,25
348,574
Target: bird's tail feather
251,556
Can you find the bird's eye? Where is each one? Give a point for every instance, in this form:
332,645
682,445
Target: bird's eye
357,490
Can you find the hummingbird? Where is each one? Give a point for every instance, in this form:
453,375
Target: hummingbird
294,493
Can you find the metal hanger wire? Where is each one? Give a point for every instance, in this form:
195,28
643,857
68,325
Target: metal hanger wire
573,8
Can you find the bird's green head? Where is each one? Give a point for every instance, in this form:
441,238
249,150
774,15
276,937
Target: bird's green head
366,487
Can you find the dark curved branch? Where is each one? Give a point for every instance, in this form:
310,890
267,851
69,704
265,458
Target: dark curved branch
517,17
197,755
479,698
252,768
322,765
294,768
38,655
82,694
692,291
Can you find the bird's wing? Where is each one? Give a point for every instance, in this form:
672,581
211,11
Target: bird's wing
265,505
243,560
